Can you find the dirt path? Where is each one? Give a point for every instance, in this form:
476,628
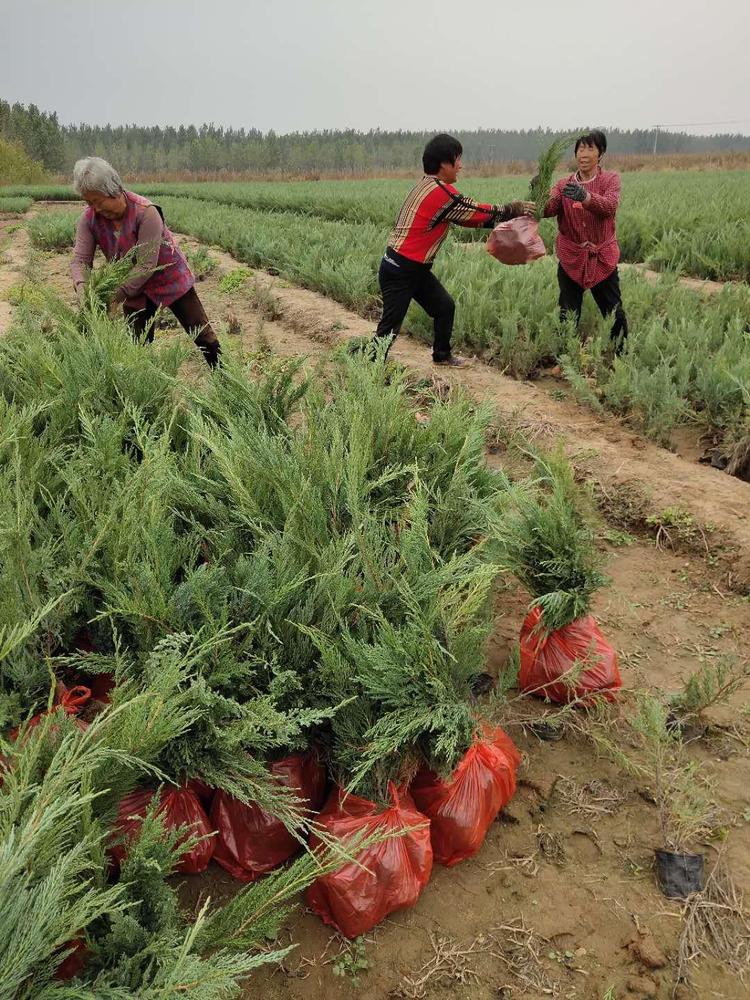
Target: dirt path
577,878
14,250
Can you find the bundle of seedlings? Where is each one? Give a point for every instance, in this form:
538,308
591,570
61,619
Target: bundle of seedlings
288,561
71,928
518,241
409,737
548,542
687,812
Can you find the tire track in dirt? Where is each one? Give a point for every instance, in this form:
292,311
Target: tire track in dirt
601,445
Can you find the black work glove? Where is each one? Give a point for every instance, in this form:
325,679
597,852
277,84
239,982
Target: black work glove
576,192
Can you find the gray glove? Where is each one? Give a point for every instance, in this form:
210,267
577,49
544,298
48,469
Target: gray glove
576,192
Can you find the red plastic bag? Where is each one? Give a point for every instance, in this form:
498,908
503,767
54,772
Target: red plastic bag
75,962
546,657
516,241
388,876
250,841
179,807
204,792
71,700
101,685
462,808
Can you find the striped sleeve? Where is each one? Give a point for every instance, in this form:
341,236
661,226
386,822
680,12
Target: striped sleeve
464,211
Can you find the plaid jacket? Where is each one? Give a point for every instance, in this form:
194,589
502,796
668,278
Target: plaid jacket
429,209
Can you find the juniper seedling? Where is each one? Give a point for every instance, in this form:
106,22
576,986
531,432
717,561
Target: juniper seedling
541,185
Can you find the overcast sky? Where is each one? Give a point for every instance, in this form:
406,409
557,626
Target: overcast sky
411,64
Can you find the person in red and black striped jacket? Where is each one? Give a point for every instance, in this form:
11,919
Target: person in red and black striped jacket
585,204
421,227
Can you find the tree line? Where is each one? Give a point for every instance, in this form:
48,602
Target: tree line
209,148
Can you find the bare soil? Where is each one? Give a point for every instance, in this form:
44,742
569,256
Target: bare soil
581,883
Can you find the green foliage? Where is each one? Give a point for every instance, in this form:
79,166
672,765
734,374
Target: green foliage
234,280
351,962
712,684
16,167
104,281
548,542
202,264
687,810
53,230
15,206
541,186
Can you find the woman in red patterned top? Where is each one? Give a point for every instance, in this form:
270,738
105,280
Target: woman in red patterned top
585,204
421,227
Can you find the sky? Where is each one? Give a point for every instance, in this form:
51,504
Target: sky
292,65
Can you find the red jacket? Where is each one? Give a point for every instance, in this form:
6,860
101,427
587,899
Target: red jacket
429,209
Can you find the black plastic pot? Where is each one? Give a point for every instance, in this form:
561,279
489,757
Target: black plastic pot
680,875
546,731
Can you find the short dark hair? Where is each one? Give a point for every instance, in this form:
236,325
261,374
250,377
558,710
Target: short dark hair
442,149
592,138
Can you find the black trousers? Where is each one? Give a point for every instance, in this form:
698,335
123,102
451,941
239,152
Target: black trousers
606,295
402,280
191,315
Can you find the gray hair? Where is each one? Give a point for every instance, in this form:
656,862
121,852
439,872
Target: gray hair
92,173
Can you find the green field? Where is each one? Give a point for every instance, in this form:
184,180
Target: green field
688,355
692,223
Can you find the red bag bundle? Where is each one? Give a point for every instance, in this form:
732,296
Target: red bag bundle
101,685
179,807
547,658
204,792
516,241
71,700
388,876
250,841
75,962
462,808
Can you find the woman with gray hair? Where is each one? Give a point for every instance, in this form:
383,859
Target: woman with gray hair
117,220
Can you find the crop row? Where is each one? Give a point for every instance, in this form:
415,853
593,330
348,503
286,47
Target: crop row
695,224
687,356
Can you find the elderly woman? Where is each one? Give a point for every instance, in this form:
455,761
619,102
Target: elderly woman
118,220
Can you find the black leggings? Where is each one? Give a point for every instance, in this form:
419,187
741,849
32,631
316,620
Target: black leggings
190,314
402,280
606,295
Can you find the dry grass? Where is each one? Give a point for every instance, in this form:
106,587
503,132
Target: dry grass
450,963
520,951
552,847
593,799
526,864
716,925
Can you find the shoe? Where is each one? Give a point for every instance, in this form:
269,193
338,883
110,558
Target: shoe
452,361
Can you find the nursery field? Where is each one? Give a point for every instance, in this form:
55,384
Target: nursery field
311,566
687,361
